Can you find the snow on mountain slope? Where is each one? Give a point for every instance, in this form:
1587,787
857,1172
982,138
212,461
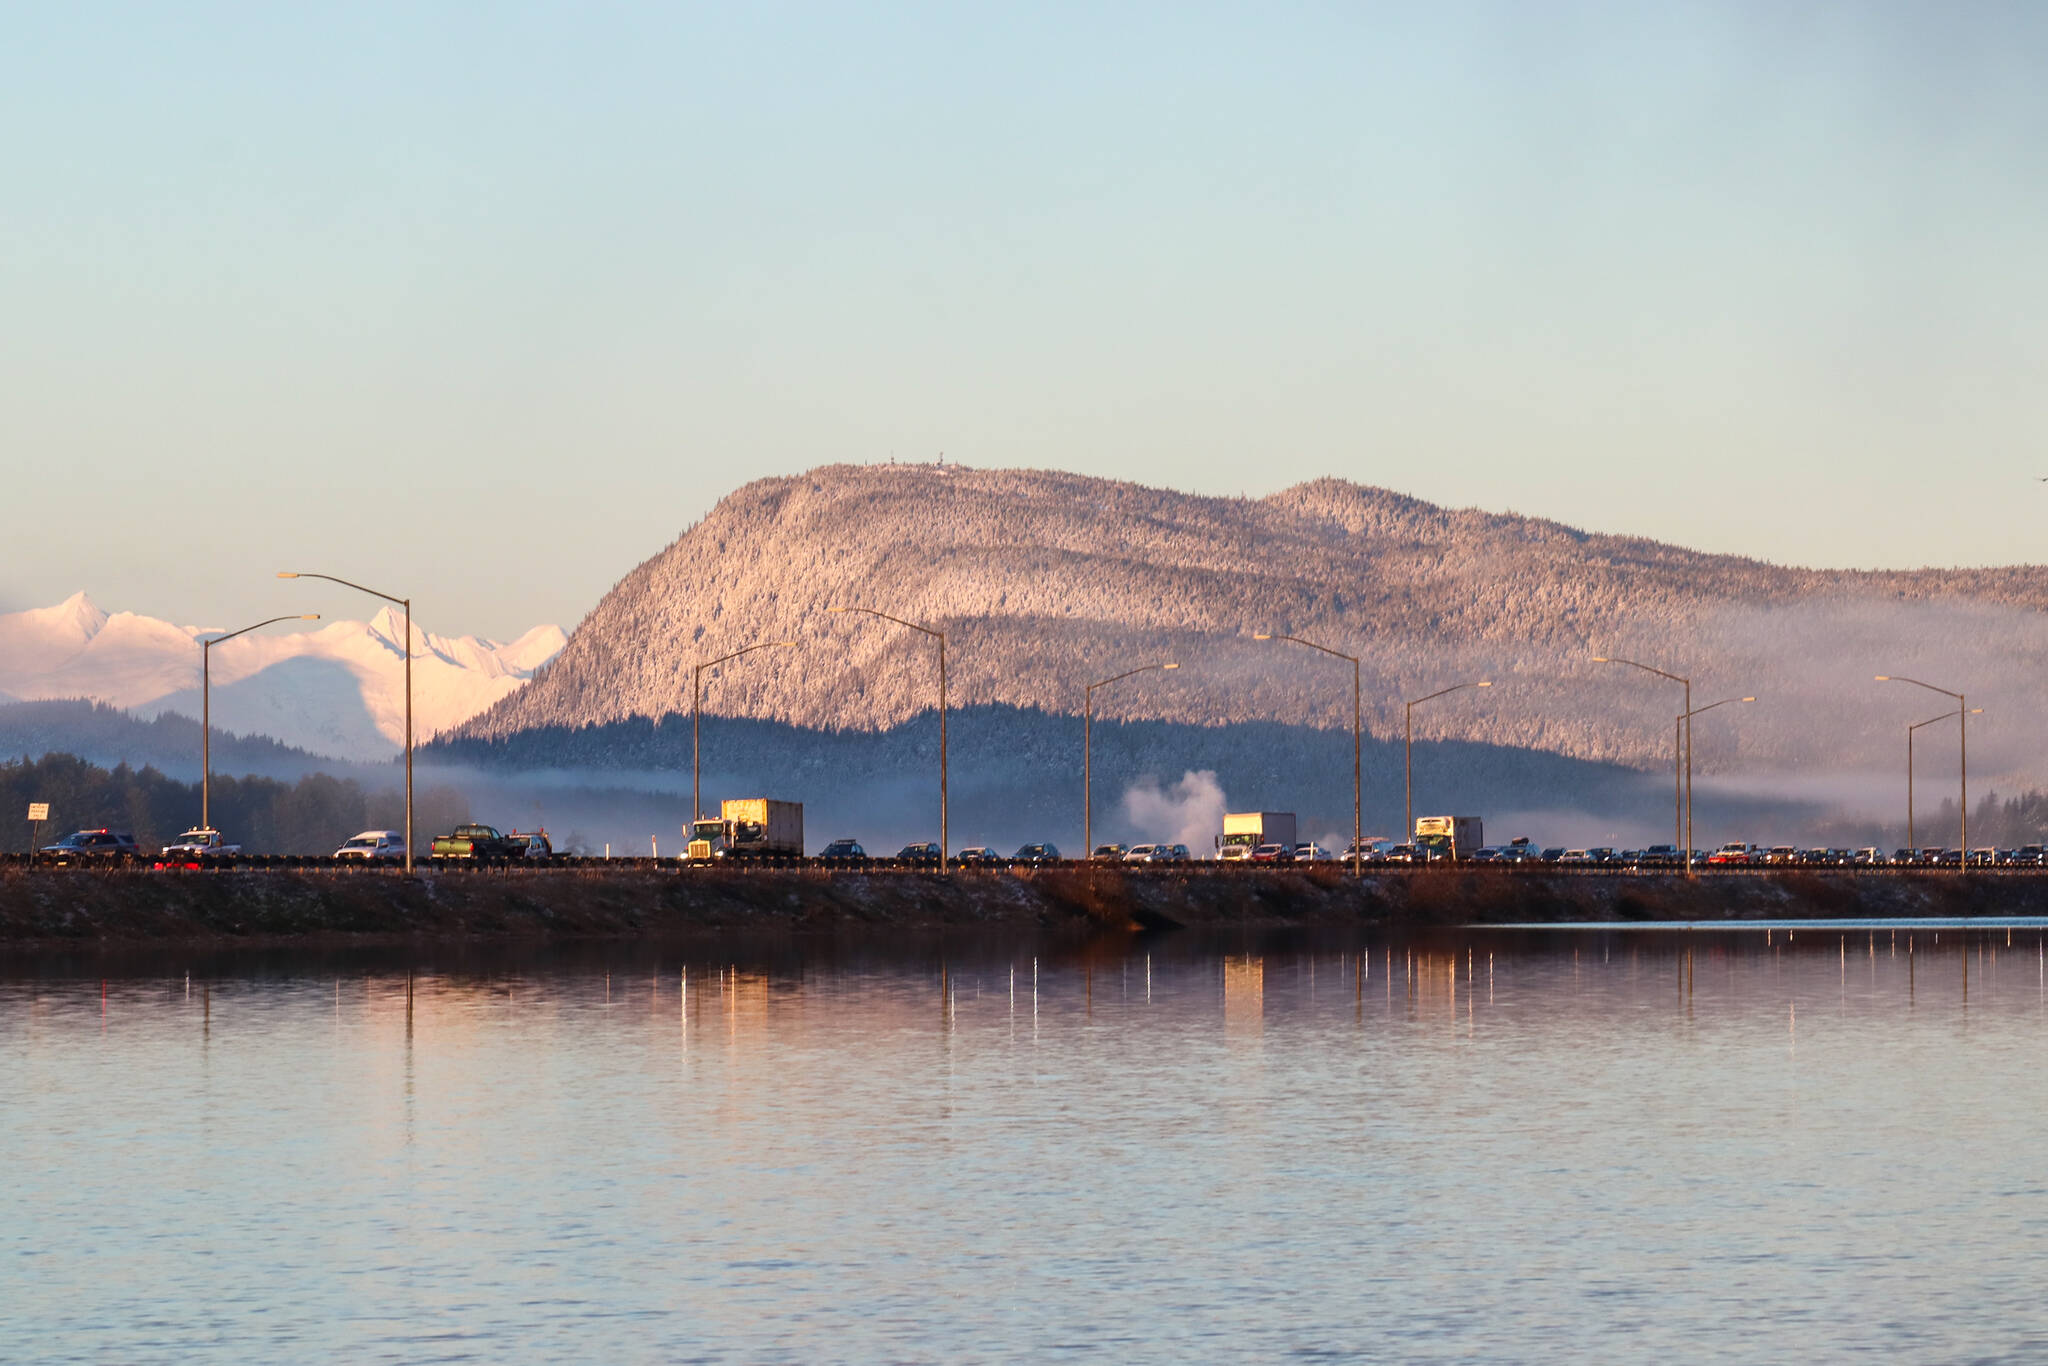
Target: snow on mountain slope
337,690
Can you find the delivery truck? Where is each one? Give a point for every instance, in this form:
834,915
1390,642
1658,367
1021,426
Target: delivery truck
1244,831
1449,837
749,829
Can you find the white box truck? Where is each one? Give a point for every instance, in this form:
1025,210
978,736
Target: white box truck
1450,837
749,828
1244,831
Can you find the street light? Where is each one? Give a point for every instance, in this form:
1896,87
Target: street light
1088,750
945,829
1962,715
1910,844
1681,764
696,716
206,710
406,603
1408,745
1685,855
1357,762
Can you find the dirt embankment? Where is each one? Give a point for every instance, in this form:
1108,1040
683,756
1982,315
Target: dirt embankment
74,907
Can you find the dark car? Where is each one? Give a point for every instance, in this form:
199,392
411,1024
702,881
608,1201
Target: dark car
1037,853
918,855
845,853
1405,853
1553,854
529,846
978,856
91,846
1109,853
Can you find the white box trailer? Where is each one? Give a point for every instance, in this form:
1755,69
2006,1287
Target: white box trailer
1453,837
749,828
1244,831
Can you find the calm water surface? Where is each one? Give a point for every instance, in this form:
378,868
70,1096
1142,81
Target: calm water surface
1527,1146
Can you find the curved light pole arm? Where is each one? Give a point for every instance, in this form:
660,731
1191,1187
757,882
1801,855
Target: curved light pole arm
696,723
1088,752
1962,715
945,804
1408,748
1681,762
206,708
406,603
1357,746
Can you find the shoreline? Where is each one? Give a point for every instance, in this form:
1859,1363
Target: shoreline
73,909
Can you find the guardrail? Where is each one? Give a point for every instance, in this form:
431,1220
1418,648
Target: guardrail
1209,868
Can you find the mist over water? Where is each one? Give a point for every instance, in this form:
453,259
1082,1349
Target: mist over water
1555,1146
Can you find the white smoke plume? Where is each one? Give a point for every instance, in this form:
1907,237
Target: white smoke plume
1190,812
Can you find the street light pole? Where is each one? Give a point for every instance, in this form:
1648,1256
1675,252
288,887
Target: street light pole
945,814
406,603
1408,746
696,717
1962,715
1681,765
1910,844
206,710
1088,752
1357,748
1685,720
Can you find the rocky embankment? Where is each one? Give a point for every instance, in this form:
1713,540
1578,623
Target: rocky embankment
79,907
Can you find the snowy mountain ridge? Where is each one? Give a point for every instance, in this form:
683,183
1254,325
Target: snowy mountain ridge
337,690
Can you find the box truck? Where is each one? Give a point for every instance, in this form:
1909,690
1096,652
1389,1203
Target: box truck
749,828
1244,831
1452,837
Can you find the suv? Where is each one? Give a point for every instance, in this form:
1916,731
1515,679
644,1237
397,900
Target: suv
91,846
373,845
847,852
978,856
918,855
1108,853
530,846
1037,853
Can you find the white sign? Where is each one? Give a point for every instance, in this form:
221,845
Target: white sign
39,811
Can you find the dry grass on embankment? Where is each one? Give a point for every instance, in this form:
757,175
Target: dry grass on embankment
73,907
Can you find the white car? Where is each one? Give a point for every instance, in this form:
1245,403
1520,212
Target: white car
374,844
1313,853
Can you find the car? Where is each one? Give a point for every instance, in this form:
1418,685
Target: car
2029,856
1404,853
978,856
1602,854
924,855
1489,854
476,841
1109,853
1181,854
91,846
1661,856
1868,858
844,853
373,846
1313,853
1144,853
1575,858
1730,855
529,846
1273,853
1036,853
1371,849
1983,858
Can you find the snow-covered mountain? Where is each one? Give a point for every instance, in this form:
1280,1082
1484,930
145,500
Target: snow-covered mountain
338,690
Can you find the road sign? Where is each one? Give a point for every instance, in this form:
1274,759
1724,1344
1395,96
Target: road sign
39,811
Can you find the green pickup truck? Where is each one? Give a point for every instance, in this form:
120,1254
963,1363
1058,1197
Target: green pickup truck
481,842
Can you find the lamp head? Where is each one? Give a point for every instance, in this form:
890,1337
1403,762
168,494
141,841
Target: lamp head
1749,699
310,616
1602,659
1169,666
1484,683
1884,678
839,609
286,574
1263,635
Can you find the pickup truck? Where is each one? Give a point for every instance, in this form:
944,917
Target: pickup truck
197,844
480,842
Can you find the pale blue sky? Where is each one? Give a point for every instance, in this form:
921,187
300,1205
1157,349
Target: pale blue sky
487,303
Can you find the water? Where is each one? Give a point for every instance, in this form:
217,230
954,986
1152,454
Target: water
1530,1146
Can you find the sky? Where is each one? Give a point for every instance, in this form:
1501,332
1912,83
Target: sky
486,304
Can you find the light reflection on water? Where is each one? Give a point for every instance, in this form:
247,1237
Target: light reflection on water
1508,1145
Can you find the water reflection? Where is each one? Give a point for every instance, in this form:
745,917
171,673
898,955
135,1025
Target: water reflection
1512,1144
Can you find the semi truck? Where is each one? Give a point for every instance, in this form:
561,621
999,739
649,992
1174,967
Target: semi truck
1449,837
749,828
1244,831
